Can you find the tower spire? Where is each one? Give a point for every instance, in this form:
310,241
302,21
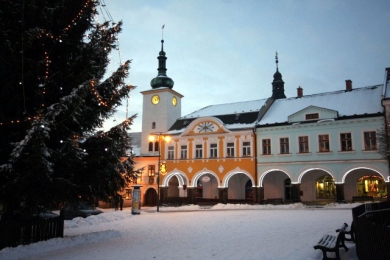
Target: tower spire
162,80
278,83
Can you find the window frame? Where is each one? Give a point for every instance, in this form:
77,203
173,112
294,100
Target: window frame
305,143
213,150
372,145
266,146
198,151
171,152
346,142
230,149
284,144
183,152
246,149
323,142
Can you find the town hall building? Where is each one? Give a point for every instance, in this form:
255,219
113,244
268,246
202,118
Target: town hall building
314,149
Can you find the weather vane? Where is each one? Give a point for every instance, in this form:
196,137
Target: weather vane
276,60
162,32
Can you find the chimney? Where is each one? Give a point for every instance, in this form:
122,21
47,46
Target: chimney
300,91
348,85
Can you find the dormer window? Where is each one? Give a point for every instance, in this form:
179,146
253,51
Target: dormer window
312,116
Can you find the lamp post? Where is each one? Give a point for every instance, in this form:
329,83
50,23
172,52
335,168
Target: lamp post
167,138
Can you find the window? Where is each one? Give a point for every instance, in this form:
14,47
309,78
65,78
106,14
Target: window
183,152
154,125
230,150
266,146
323,143
171,152
370,140
325,188
213,150
346,141
303,144
198,151
312,116
156,146
150,146
284,145
151,170
246,149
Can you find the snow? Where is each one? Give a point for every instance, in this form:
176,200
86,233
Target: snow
194,232
228,108
368,98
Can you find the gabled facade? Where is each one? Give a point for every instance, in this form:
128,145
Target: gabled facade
323,148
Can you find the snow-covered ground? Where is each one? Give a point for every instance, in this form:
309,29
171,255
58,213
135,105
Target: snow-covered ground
192,232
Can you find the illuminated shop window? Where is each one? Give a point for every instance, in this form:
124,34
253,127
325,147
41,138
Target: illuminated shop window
325,187
372,185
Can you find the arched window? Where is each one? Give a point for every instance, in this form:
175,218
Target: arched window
154,125
150,146
325,187
156,148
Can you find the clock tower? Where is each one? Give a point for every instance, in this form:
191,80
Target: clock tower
161,104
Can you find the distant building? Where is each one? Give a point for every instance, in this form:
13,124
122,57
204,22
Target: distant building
319,148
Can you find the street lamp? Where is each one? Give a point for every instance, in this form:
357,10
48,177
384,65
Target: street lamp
160,169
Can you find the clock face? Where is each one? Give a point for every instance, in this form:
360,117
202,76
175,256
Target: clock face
174,101
206,127
155,99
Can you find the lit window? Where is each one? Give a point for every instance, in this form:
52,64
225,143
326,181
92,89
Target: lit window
151,170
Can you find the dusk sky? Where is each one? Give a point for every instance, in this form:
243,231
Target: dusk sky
222,51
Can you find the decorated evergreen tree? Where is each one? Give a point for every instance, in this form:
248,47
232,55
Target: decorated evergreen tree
54,98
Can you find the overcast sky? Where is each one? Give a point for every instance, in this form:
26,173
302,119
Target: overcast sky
222,51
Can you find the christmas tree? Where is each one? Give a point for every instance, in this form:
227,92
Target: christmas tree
55,98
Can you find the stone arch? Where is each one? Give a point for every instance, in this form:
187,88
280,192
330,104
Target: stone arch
200,173
265,172
231,173
353,168
181,176
303,172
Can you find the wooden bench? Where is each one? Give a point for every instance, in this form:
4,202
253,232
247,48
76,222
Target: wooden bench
350,231
330,243
274,201
362,198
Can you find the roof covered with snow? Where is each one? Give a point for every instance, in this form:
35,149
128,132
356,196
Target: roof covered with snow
237,115
358,101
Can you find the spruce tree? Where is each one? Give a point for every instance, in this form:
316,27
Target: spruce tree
54,99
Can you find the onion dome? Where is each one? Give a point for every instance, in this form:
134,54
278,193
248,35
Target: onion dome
162,80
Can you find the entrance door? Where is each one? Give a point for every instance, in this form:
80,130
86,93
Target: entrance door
151,197
287,189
